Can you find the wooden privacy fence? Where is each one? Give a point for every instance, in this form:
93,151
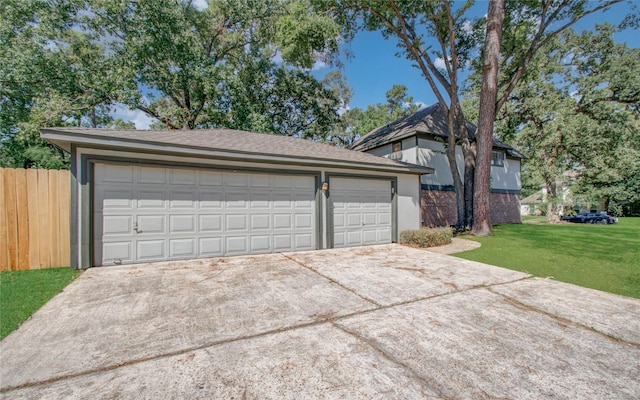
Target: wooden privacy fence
34,219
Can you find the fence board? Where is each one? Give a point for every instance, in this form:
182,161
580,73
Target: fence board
4,249
45,242
22,216
64,218
54,218
34,219
12,229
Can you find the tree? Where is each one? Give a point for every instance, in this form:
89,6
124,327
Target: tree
412,24
527,27
50,74
235,64
356,122
486,116
576,118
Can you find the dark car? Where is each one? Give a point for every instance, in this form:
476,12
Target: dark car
590,218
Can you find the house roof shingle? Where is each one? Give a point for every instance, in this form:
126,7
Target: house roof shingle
242,143
431,120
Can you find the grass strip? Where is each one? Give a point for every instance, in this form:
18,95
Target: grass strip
23,292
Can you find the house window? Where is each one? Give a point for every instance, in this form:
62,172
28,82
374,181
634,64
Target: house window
396,146
497,158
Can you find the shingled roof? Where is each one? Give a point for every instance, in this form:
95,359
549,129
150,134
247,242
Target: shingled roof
430,120
226,143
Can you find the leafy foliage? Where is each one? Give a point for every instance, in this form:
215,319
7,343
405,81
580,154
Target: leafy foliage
236,64
356,122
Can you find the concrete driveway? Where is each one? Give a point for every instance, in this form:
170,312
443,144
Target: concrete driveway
385,322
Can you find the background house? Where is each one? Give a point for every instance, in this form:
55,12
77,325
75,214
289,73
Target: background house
420,139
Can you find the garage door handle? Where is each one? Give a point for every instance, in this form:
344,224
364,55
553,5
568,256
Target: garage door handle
135,227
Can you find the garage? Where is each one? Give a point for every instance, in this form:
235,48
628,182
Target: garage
362,211
145,214
149,196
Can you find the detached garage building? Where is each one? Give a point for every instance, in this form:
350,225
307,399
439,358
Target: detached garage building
146,196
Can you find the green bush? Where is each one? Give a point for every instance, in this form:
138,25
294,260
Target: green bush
426,237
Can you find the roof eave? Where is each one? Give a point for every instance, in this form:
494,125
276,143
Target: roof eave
64,140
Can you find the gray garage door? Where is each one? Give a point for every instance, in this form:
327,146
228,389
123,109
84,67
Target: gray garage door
144,214
361,211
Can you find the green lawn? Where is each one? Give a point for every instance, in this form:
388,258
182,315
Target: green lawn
23,292
603,257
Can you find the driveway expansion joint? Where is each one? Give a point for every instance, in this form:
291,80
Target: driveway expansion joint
335,282
372,344
561,320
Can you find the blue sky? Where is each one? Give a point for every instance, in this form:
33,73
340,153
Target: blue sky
374,68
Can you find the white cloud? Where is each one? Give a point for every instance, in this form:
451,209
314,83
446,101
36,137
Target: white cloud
439,63
200,4
467,27
140,119
319,64
420,104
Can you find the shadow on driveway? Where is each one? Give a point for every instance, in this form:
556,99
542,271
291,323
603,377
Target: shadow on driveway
371,322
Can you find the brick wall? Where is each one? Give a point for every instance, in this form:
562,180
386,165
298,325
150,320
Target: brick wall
438,208
505,208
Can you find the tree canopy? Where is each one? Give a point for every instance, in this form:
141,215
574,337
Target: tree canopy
242,64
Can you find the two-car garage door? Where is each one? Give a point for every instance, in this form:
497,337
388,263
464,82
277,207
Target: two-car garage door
144,214
150,213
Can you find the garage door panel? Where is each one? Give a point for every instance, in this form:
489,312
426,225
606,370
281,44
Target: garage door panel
210,178
234,179
182,248
150,250
237,222
384,235
370,236
354,238
150,199
151,224
282,221
236,245
282,243
147,213
304,241
260,200
182,200
182,223
210,247
115,174
260,221
183,176
237,200
148,175
116,199
370,218
260,243
282,201
384,219
210,223
303,221
120,251
353,220
117,225
209,200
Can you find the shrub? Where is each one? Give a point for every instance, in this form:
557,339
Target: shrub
426,237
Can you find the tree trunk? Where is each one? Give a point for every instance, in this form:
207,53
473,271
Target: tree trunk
453,166
553,209
486,118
